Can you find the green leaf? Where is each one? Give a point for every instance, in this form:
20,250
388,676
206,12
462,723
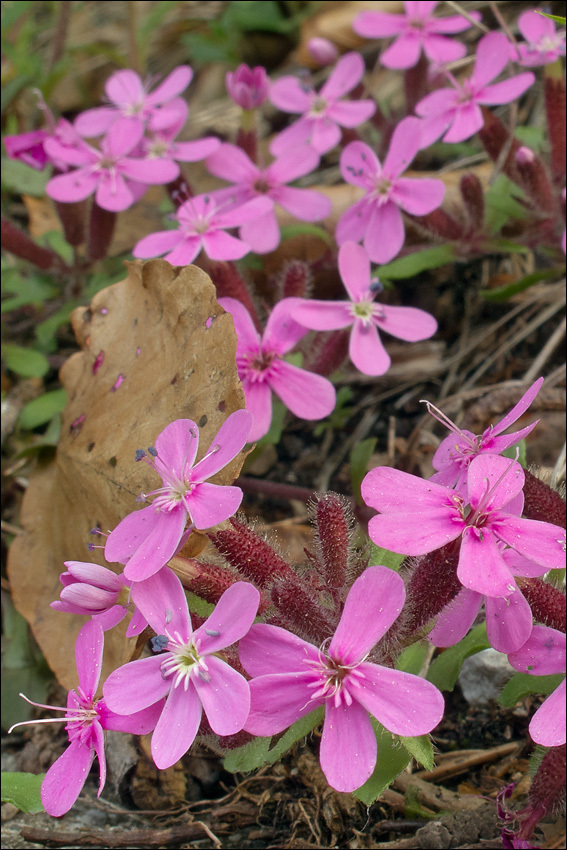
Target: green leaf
501,204
359,460
522,684
21,178
23,668
419,261
274,435
45,332
380,557
23,790
413,657
40,410
340,414
55,240
288,231
421,749
25,361
557,18
392,759
520,448
533,137
257,753
503,293
446,668
32,289
199,606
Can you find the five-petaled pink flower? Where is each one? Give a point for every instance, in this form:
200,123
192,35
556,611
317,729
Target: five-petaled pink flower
87,717
292,678
366,317
417,30
262,369
263,233
190,672
544,44
202,225
376,219
544,655
160,144
145,540
323,113
452,458
420,516
133,106
455,113
107,171
248,87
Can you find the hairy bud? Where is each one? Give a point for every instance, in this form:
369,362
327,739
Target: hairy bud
249,554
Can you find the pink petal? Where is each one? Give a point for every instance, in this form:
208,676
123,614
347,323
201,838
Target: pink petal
456,618
169,118
176,448
162,601
385,233
157,243
366,349
296,136
232,618
173,85
348,746
420,10
403,52
282,332
65,779
534,26
387,489
542,655
304,204
360,165
323,315
136,625
540,542
222,246
453,23
109,619
404,146
481,566
121,542
438,102
492,56
378,24
150,171
88,598
74,186
521,566
136,686
306,394
266,650
521,406
79,154
507,90
502,477
196,150
225,698
354,268
113,193
231,438
124,88
259,404
346,74
497,445
262,234
185,251
231,163
97,743
288,94
353,223
412,533
123,136
405,704
94,574
157,537
442,50
95,122
418,197
279,700
547,726
325,135
209,504
291,165
509,621
374,601
89,648
466,121
351,113
433,127
136,723
176,729
407,323
248,337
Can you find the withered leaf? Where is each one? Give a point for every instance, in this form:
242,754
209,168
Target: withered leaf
155,347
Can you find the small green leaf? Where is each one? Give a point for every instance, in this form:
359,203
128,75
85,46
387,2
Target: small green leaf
257,753
419,261
32,289
25,361
501,204
199,606
421,750
23,790
380,557
533,137
359,459
288,231
19,177
503,293
446,668
43,409
522,684
392,759
413,657
520,450
299,730
274,435
557,18
45,332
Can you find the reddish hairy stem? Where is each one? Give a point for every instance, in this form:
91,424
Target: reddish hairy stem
101,231
19,243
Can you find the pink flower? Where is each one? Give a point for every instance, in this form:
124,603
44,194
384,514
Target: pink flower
323,51
248,87
543,655
544,44
145,540
452,458
376,219
455,112
28,148
292,678
263,233
323,113
106,172
420,516
417,30
190,673
262,369
161,144
86,718
133,106
94,591
202,225
365,347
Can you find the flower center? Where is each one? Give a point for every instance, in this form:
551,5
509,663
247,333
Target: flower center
255,365
334,679
262,186
318,106
366,312
182,661
157,148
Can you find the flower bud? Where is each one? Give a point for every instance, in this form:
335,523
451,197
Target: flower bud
323,51
248,87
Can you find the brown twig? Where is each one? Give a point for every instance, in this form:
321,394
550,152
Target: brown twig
111,838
